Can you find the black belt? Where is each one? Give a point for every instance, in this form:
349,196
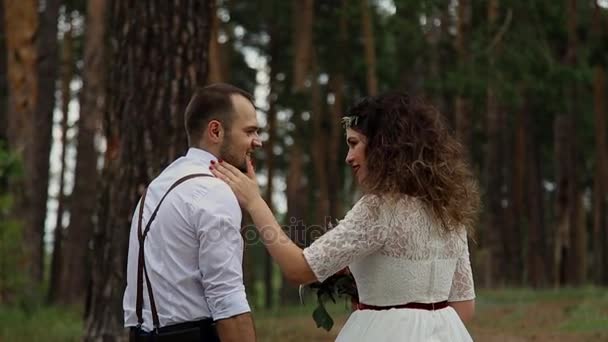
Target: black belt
419,306
199,331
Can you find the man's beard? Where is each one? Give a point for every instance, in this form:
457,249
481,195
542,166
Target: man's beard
229,155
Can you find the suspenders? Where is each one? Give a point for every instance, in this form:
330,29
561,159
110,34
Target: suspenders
141,264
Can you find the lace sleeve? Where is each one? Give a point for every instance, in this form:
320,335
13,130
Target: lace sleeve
462,283
360,233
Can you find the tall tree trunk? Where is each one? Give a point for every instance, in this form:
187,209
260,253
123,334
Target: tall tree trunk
335,113
573,234
21,24
270,165
76,258
518,211
148,88
48,64
295,210
319,149
492,256
297,194
303,18
462,104
334,162
303,36
537,257
215,57
370,48
433,38
3,80
67,74
271,119
600,232
563,200
600,184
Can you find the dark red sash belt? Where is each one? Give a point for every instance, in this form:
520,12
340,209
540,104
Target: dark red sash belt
419,306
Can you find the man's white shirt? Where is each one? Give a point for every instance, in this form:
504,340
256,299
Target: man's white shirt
193,251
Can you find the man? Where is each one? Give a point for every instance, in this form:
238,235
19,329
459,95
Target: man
192,250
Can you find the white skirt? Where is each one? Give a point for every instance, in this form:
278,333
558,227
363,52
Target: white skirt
404,325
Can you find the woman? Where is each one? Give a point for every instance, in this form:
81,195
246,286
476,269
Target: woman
405,240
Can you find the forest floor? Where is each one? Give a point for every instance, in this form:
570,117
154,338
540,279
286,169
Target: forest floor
509,315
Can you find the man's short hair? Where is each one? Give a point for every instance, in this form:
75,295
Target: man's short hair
212,102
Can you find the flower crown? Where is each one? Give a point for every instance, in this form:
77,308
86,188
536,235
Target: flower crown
350,121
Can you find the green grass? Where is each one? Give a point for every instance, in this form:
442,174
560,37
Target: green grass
568,314
42,324
502,315
587,316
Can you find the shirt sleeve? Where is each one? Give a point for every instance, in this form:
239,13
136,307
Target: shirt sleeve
361,232
462,283
217,217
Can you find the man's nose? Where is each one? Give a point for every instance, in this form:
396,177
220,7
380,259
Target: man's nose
256,143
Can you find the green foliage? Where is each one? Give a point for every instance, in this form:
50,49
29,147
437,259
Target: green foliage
337,286
322,317
12,277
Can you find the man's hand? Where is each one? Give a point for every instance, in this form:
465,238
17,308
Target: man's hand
238,328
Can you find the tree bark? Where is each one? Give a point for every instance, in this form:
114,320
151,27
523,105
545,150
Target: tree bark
303,18
297,194
21,22
76,258
492,255
159,54
335,182
271,119
295,211
48,64
563,201
335,113
518,198
433,38
600,184
3,80
319,149
370,48
303,36
216,69
519,214
462,104
537,257
67,74
574,262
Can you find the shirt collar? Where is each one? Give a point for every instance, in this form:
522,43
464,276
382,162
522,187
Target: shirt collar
199,154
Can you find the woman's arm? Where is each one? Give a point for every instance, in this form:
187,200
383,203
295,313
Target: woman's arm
286,253
360,233
465,309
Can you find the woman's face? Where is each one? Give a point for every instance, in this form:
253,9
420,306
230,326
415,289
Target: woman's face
356,153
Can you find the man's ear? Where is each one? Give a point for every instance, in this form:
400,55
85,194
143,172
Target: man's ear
215,131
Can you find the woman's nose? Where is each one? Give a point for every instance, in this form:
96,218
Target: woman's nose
349,159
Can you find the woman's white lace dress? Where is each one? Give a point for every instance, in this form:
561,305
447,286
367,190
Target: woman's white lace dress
397,254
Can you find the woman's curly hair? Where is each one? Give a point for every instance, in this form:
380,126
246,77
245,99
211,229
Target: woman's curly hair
411,151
